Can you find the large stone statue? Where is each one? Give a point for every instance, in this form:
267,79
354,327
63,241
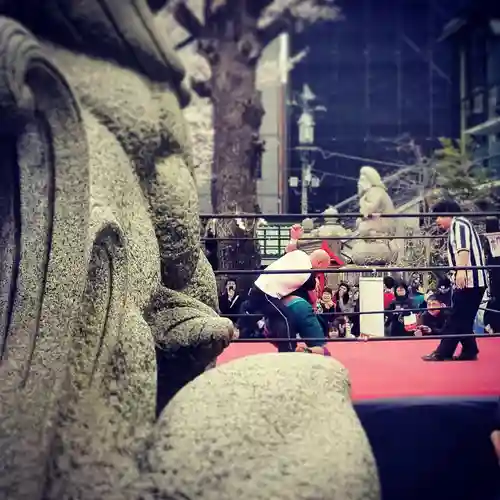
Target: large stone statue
107,303
373,200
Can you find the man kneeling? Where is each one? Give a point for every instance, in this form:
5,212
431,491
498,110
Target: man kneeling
269,289
306,324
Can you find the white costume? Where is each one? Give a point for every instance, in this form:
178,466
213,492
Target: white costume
281,285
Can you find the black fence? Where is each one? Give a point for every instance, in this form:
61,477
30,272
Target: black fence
283,237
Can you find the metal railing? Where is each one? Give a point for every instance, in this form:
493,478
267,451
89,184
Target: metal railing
294,217
273,239
329,340
358,269
367,270
359,313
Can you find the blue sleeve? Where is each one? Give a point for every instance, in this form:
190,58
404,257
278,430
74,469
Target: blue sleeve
307,323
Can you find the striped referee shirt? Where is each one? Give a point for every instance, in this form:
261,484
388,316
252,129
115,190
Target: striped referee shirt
463,236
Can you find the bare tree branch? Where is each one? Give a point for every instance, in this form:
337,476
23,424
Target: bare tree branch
286,15
255,8
187,19
187,41
202,87
281,24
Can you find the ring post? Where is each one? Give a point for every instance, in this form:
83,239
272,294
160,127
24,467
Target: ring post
371,298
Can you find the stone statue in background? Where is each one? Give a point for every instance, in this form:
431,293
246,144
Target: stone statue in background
373,200
107,301
308,227
331,227
311,237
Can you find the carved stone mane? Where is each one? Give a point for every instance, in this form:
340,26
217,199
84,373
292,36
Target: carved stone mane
99,216
107,302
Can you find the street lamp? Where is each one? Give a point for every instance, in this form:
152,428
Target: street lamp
306,128
306,140
306,124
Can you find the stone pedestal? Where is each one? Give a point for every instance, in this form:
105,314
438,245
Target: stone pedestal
314,238
373,252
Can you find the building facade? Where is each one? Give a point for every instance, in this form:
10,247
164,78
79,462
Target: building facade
474,37
387,83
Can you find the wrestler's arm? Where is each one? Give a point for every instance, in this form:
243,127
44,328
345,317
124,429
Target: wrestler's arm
463,258
296,233
460,240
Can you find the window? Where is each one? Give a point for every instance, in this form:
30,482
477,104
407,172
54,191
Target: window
493,102
466,107
477,103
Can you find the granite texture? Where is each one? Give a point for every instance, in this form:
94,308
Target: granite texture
278,426
100,219
106,299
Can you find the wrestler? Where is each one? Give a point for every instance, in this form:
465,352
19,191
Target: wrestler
296,233
306,324
268,290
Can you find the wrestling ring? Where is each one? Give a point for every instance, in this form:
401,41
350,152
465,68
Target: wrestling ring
429,424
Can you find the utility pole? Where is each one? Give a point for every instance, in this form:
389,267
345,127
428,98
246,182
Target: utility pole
306,142
306,176
463,97
427,241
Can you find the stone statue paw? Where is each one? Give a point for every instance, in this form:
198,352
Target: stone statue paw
188,336
270,426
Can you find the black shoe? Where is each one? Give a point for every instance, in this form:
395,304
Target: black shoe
435,356
465,357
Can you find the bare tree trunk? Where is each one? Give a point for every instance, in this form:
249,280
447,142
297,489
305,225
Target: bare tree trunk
238,115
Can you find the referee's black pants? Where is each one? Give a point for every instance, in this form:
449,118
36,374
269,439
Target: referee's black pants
464,307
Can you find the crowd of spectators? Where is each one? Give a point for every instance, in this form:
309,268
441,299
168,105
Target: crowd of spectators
335,308
409,311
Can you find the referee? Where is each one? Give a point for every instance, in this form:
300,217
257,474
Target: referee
464,250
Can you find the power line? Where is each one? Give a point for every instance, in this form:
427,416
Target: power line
325,154
331,154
